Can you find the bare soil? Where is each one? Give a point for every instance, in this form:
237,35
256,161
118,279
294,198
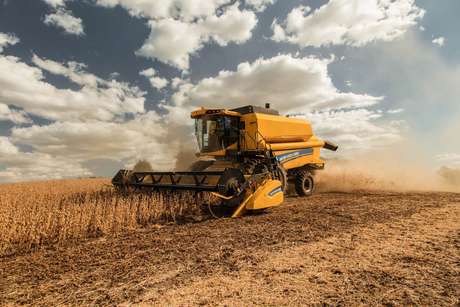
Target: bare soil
371,248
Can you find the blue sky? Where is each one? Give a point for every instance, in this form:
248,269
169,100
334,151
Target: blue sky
90,86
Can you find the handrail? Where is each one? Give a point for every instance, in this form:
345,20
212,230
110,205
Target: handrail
256,140
265,142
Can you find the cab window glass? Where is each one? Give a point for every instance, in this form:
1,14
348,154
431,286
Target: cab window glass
216,132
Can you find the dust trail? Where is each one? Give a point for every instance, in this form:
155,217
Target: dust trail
450,176
379,172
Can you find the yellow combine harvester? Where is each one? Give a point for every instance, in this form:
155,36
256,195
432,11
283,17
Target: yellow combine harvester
248,156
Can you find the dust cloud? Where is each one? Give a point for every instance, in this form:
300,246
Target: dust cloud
380,171
450,176
185,157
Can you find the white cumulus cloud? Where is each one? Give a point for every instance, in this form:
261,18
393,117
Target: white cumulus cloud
395,111
14,116
183,9
74,71
6,147
180,28
287,82
64,19
440,41
21,166
355,129
24,87
234,25
144,137
156,82
173,41
55,3
348,22
259,5
7,40
449,158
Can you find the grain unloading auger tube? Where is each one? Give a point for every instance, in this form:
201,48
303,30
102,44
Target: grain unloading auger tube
237,192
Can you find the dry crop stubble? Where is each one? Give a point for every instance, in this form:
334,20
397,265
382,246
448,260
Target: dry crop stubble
39,214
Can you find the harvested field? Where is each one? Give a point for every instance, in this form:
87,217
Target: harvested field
377,248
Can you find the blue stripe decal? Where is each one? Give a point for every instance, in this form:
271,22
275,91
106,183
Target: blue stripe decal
294,155
275,191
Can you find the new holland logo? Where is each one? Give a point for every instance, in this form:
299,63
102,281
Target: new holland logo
294,155
275,191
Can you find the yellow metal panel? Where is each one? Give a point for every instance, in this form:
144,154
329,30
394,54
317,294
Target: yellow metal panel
283,132
249,136
275,126
269,194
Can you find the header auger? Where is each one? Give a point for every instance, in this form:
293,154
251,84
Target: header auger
248,156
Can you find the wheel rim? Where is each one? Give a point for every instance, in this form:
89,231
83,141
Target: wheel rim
308,185
229,184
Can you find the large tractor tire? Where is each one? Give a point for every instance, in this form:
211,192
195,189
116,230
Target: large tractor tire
304,183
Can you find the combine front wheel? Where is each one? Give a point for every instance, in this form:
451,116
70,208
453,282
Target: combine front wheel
229,194
304,183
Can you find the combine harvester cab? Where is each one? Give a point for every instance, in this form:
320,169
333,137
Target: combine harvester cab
248,157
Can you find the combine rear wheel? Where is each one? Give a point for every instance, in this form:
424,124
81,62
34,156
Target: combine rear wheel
304,183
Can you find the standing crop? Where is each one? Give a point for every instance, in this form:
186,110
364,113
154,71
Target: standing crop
33,215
